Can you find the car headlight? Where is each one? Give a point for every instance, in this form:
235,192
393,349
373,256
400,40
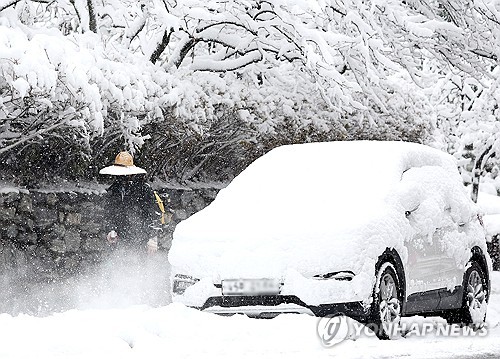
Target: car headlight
342,275
182,282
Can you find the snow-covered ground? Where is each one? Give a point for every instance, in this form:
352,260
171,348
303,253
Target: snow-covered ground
101,314
174,331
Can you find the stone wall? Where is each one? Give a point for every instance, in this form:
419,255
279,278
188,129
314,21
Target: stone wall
48,234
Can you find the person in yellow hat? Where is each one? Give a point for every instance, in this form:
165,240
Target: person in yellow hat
131,213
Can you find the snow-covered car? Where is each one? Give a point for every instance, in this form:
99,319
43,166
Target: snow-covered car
374,230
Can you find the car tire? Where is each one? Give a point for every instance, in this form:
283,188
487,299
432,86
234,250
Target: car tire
474,299
387,303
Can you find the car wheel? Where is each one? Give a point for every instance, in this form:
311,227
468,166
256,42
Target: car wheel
386,305
474,302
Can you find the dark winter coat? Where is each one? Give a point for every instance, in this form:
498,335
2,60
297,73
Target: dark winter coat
131,210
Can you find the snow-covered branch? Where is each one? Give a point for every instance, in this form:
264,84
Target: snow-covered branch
4,4
286,71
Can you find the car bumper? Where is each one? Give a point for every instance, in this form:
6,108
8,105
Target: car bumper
271,306
260,311
296,289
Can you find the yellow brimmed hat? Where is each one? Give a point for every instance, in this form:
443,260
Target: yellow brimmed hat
123,166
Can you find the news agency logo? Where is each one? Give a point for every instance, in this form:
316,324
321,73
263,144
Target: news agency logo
333,330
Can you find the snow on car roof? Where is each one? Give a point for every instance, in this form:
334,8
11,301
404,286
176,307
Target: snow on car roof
306,197
337,170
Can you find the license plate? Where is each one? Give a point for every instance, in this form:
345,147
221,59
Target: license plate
265,286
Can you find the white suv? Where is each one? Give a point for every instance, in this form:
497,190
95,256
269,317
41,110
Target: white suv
374,230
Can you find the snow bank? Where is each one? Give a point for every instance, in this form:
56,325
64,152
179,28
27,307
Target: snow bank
175,331
64,187
73,187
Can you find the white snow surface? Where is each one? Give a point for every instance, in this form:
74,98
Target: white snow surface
309,209
8,187
174,331
489,203
492,224
490,207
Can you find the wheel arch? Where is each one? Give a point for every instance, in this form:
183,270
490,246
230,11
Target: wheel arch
477,255
392,256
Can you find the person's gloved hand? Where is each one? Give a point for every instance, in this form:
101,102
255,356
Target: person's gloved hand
112,237
152,245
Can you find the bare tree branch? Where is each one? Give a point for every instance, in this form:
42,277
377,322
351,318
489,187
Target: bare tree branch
76,10
478,168
165,40
9,4
230,64
188,46
235,24
92,16
29,137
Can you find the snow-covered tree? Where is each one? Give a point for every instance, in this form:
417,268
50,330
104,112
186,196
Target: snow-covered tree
245,75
